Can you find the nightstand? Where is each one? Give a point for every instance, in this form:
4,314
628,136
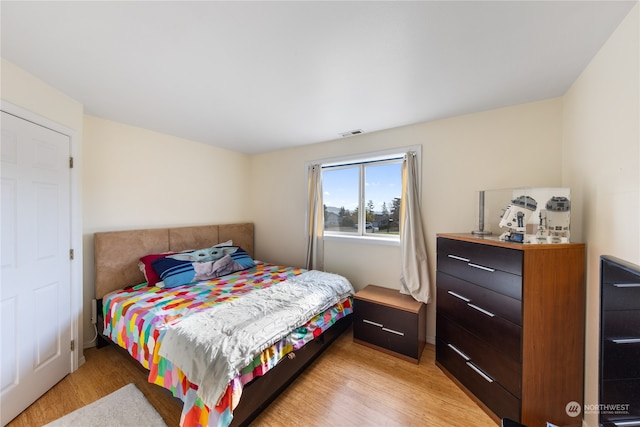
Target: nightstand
389,321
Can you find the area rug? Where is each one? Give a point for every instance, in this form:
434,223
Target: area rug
124,407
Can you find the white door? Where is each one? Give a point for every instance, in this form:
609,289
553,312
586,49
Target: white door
35,291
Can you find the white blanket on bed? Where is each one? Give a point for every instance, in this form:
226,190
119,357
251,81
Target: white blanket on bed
211,347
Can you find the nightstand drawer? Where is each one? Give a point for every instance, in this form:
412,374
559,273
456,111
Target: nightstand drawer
386,327
387,320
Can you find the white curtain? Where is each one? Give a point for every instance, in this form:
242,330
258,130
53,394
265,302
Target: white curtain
414,279
315,220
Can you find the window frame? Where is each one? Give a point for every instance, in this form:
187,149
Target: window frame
362,160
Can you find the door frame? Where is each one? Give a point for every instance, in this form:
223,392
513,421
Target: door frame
77,357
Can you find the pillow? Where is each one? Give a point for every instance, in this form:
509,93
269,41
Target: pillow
242,258
146,267
205,255
174,271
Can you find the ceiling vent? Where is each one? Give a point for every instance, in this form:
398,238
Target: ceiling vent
352,133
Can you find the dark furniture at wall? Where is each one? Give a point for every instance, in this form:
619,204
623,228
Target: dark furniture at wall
510,326
389,321
619,343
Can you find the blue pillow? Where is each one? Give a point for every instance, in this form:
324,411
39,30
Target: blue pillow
177,272
173,272
242,258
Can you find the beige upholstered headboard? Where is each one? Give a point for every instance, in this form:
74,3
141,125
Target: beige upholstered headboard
117,252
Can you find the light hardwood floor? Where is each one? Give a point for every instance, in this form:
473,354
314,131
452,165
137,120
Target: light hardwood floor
348,385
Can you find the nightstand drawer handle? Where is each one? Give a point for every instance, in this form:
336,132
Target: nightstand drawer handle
379,325
460,353
459,258
481,267
465,299
393,332
627,285
626,340
479,372
481,310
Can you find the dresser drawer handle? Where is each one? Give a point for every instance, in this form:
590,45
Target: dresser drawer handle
393,332
627,423
372,323
481,310
479,372
627,285
626,340
460,353
459,258
481,267
458,296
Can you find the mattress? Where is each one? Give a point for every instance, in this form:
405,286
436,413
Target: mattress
138,318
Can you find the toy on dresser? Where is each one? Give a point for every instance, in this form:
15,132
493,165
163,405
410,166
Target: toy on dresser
553,221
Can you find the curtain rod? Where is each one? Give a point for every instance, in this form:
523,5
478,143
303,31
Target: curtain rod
365,162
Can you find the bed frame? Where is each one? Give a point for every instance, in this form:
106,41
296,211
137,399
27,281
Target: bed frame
116,267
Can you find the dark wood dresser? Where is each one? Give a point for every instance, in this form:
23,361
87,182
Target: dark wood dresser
510,326
619,343
389,321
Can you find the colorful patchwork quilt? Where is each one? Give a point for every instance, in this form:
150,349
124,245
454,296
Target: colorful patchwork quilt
138,318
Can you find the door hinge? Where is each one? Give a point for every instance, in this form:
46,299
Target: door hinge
71,254
73,345
70,162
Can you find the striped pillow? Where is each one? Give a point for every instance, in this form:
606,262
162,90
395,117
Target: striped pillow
176,272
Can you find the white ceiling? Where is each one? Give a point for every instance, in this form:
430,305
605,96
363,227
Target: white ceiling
261,76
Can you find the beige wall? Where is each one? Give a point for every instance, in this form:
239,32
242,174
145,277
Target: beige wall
601,164
136,178
494,149
26,91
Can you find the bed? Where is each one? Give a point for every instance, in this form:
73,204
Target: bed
170,330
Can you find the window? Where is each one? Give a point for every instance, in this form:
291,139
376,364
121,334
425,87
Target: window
362,198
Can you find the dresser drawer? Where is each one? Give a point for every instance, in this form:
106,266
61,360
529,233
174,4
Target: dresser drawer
621,358
497,303
624,392
496,331
387,327
620,286
504,259
494,362
499,281
621,324
621,295
485,388
619,272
